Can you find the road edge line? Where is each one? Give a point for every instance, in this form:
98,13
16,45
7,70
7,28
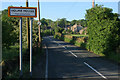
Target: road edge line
46,68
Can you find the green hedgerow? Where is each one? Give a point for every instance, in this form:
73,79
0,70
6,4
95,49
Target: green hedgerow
103,30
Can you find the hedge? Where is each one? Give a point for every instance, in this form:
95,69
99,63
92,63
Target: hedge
78,41
103,30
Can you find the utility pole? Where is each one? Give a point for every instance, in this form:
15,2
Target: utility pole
93,3
28,29
57,21
39,23
65,24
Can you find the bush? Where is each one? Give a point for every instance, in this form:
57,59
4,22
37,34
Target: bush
59,36
58,30
47,32
103,30
68,38
81,42
78,41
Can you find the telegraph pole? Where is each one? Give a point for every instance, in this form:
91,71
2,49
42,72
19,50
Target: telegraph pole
93,3
28,29
57,22
39,23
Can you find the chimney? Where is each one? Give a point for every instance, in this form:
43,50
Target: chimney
93,3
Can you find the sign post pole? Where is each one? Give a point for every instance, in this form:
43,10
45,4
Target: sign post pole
29,12
20,46
31,24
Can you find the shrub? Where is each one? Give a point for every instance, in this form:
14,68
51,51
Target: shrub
81,42
59,36
68,38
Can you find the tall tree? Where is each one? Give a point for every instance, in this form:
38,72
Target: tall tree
44,23
62,23
9,28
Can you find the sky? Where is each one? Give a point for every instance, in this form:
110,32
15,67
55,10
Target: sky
68,10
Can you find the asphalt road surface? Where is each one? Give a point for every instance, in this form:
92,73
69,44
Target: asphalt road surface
64,60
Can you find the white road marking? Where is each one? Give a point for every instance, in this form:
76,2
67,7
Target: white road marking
95,70
46,72
58,44
73,54
49,39
64,47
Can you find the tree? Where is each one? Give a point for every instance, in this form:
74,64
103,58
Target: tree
49,21
103,30
44,23
73,22
62,22
9,34
82,22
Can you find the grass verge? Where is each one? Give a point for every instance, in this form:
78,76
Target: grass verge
13,53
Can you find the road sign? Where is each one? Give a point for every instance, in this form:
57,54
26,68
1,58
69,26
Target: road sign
22,12
39,23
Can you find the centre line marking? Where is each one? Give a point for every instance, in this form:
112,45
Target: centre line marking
58,43
73,54
95,70
64,47
49,38
46,73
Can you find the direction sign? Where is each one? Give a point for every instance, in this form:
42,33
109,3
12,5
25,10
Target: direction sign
22,12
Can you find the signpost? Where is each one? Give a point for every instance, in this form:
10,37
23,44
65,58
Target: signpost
20,46
24,12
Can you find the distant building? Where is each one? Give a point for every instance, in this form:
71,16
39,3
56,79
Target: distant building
76,28
67,27
83,30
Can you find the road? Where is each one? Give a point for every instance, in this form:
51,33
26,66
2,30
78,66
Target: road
64,60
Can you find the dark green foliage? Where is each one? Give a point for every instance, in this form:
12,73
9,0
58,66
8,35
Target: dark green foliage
58,36
58,29
62,23
44,24
69,31
103,30
9,29
73,22
47,32
82,22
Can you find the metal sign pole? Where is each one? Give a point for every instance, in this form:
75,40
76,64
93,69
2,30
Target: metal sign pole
31,21
20,54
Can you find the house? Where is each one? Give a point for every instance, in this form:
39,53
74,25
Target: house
67,27
76,28
83,31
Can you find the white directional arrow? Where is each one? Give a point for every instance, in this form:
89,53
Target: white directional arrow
39,23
